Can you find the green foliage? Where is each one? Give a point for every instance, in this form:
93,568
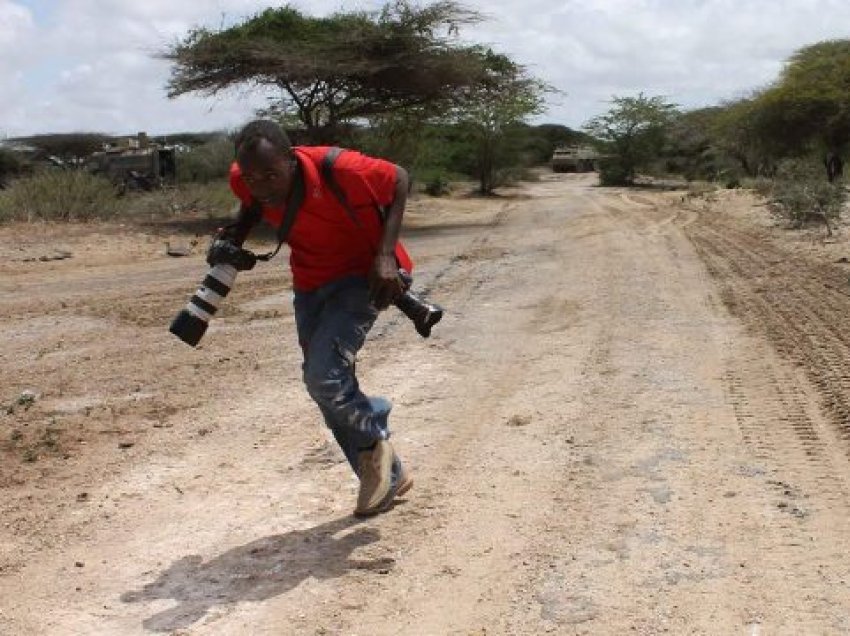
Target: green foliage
690,149
760,185
634,131
59,195
208,162
809,103
339,68
614,172
187,138
398,137
12,164
213,200
438,185
801,193
69,148
491,116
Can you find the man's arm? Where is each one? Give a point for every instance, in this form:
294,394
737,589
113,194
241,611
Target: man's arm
384,282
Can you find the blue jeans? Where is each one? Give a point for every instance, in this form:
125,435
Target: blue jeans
332,324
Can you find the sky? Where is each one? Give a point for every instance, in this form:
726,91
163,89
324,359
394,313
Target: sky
92,65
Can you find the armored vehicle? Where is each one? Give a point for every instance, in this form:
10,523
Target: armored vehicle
135,164
575,159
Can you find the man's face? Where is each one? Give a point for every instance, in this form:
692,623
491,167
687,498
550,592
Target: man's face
267,172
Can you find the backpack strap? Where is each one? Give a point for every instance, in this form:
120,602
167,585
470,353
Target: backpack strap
293,203
327,172
327,169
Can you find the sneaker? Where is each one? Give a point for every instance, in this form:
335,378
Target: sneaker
376,482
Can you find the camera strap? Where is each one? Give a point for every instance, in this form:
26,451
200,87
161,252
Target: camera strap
293,203
297,198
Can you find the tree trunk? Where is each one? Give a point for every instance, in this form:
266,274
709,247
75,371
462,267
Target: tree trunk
834,166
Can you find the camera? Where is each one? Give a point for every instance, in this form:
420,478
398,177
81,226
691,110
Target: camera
225,250
226,258
423,314
192,321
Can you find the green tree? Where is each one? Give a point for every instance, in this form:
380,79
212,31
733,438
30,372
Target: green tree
68,148
738,133
490,115
808,108
633,131
690,148
12,164
336,69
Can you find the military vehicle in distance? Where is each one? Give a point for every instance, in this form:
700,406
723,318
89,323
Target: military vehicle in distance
575,159
135,164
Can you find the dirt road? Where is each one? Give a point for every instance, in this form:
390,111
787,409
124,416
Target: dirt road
635,418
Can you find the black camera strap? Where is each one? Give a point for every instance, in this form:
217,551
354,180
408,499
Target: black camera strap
293,203
297,198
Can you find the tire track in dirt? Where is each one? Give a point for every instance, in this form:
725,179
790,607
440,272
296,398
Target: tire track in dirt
578,466
782,297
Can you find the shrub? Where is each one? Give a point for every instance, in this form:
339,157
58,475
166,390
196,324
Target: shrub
801,193
59,195
438,186
214,200
760,185
613,172
12,164
207,162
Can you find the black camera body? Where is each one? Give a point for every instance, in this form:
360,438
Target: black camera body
224,250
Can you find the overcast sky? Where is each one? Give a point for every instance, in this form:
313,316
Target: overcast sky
90,65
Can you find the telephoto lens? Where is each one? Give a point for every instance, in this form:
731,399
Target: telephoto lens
192,322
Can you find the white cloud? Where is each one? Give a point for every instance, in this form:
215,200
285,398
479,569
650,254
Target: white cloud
696,52
95,66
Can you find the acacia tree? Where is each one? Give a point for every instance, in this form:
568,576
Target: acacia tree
633,131
336,69
489,115
68,148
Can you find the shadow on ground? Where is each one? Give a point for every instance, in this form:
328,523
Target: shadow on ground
256,571
453,229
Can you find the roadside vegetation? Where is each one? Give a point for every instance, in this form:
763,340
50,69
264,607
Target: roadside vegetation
400,83
788,141
35,191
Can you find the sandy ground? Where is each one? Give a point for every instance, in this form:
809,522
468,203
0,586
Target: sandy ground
635,418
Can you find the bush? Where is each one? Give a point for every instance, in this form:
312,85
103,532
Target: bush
613,172
801,193
760,185
12,164
59,195
212,201
207,162
438,186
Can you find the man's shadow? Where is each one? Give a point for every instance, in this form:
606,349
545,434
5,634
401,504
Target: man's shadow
256,571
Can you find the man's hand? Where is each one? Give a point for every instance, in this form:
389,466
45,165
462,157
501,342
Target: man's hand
385,285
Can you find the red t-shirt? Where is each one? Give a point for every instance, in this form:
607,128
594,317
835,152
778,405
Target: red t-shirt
325,242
